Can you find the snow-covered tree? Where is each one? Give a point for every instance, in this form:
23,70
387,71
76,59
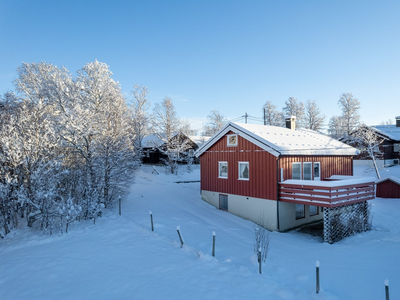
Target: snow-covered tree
215,122
387,122
368,142
293,107
65,143
141,118
350,107
272,116
313,118
167,126
336,125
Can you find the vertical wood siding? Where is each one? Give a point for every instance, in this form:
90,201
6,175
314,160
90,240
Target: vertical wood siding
330,165
262,181
388,189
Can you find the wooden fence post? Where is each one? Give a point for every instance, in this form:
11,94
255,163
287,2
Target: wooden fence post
178,229
119,199
259,259
151,219
317,276
213,248
387,289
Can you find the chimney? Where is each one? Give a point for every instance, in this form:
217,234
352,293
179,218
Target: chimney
398,121
291,122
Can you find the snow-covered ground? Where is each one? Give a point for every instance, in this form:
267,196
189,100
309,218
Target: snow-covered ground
121,258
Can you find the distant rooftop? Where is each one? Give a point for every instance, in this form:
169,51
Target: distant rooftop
390,131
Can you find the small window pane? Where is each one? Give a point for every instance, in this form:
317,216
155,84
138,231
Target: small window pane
223,169
223,202
299,211
243,170
232,140
296,171
313,210
307,171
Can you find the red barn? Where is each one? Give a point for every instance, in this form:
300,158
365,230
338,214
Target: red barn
277,175
388,188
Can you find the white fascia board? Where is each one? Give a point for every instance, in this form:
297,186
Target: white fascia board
258,141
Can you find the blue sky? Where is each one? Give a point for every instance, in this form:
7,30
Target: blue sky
231,56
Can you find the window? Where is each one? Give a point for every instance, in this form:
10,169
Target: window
222,169
232,140
299,211
223,202
307,167
296,170
313,210
244,170
317,171
148,153
191,152
396,147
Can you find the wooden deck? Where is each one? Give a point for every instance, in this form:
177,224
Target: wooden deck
327,193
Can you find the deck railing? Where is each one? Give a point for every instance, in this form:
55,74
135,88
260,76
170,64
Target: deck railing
327,193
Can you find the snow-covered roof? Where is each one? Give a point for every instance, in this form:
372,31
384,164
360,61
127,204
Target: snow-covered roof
390,131
391,178
151,140
283,141
199,140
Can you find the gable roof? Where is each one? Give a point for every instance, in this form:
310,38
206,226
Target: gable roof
283,141
391,178
151,141
389,131
155,141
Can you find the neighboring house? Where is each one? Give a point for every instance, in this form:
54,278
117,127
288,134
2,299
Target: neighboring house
388,137
390,147
153,149
388,188
277,176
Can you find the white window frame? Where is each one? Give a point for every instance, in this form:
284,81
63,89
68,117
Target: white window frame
219,169
302,211
228,140
310,165
191,152
248,170
319,168
296,163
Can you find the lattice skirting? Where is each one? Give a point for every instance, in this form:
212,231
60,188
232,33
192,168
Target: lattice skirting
346,220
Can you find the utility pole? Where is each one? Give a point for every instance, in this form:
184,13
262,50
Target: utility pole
245,117
265,117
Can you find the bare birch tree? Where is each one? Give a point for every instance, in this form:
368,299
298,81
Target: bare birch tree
335,127
350,107
272,116
167,126
313,118
215,122
141,118
295,108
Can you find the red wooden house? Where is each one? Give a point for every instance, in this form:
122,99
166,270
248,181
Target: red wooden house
278,175
388,188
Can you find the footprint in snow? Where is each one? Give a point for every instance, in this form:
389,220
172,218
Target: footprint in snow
285,294
302,277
